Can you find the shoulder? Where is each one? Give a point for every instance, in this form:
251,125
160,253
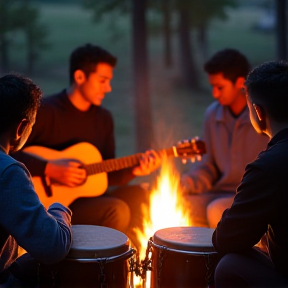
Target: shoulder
53,100
274,159
8,162
213,110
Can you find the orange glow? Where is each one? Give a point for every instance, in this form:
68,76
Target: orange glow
166,209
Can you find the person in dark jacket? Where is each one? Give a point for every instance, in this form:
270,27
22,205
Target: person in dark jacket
259,207
44,234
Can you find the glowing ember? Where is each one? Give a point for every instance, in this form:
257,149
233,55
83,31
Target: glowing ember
166,209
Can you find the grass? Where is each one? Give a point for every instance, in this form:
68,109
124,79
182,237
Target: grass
177,113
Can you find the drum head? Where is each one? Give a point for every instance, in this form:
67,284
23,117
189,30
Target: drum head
197,239
92,242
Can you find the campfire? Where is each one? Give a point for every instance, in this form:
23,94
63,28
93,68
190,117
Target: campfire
167,209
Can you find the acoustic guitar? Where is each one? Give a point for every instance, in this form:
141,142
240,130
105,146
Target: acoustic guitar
96,170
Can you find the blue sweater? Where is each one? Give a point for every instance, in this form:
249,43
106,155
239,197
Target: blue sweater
46,235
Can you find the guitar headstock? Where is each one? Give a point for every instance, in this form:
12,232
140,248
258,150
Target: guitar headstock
190,148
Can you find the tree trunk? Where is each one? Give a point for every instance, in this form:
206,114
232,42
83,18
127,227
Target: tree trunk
167,33
281,16
188,66
202,39
4,47
142,110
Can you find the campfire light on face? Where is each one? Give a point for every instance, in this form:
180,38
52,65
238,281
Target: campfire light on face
167,208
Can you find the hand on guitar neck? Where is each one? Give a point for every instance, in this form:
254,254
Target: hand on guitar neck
150,161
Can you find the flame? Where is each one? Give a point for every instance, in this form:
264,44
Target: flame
167,208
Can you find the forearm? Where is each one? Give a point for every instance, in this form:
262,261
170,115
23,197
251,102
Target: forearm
200,178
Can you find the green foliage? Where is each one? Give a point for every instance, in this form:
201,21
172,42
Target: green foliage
202,12
27,18
101,8
21,16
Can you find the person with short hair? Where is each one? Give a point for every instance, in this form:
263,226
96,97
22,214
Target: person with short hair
259,207
75,115
45,234
231,142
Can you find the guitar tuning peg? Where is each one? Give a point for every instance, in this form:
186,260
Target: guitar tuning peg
184,161
192,159
199,157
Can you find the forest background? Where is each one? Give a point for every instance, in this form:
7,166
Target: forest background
176,38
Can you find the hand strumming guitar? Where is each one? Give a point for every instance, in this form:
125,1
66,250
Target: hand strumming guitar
65,171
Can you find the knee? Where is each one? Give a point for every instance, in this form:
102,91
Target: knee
214,213
226,272
196,206
215,210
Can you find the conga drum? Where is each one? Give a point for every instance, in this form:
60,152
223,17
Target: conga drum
99,257
182,257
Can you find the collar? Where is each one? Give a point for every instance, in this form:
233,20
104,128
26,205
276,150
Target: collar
281,135
2,149
222,110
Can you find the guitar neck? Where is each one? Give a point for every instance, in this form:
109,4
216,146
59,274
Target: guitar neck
122,162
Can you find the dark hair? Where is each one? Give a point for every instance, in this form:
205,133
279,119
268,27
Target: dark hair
86,58
19,99
267,86
230,62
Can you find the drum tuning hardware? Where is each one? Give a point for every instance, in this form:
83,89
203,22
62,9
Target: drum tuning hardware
146,264
102,276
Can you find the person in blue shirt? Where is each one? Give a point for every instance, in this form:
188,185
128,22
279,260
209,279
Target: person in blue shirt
44,234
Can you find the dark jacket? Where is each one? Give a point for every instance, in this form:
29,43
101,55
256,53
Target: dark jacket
260,206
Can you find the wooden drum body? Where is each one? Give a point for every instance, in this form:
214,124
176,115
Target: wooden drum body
99,257
182,257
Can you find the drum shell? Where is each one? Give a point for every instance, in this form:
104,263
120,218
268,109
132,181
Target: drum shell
178,269
81,269
182,257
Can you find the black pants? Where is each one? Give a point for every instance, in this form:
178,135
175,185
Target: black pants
253,269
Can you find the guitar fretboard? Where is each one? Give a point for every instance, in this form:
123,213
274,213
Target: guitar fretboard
119,163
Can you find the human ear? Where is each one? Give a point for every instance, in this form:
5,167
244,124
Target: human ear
22,126
259,112
240,82
79,77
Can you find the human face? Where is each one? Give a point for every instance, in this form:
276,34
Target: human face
94,88
223,90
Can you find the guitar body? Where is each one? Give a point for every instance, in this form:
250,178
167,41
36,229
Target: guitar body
86,153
